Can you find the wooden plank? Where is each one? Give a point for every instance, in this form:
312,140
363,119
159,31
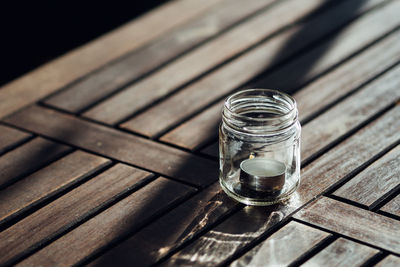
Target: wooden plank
117,221
350,113
98,85
374,182
342,252
89,57
198,130
117,144
10,137
167,233
348,76
210,55
318,177
311,99
28,158
393,207
283,247
68,210
389,261
211,150
168,113
48,181
357,223
237,232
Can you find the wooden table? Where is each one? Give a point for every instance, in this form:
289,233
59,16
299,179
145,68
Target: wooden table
109,153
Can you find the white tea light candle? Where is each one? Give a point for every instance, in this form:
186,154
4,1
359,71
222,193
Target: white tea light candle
267,175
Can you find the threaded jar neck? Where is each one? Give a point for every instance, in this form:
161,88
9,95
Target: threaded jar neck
260,112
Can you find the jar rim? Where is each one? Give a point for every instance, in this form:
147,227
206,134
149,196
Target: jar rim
229,107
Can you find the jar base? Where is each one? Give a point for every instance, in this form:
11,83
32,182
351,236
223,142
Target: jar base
252,198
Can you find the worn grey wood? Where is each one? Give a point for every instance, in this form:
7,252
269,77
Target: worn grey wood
112,224
75,64
375,181
168,46
348,76
357,223
363,31
283,247
28,158
117,144
48,181
198,61
342,252
68,210
176,228
10,137
351,112
389,261
393,206
238,231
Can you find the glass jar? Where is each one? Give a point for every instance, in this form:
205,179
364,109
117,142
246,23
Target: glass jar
259,146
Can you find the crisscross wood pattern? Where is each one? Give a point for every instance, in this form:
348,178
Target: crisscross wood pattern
108,155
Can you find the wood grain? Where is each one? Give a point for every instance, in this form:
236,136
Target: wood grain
168,113
68,210
48,181
10,137
348,76
117,144
101,83
28,158
89,57
350,113
237,232
117,221
204,58
375,181
198,130
168,233
393,206
342,252
354,222
389,261
283,247
342,80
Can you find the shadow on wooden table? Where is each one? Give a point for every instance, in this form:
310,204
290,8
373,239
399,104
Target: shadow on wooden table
182,224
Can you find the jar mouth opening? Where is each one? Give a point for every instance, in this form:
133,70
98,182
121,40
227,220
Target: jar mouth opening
260,111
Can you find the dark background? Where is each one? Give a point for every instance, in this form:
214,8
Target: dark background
34,32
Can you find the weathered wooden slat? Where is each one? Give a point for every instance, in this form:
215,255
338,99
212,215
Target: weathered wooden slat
48,181
350,113
283,247
348,76
167,233
28,158
237,232
342,252
215,52
211,150
117,221
393,206
103,82
68,210
389,261
116,144
375,181
168,113
197,131
10,137
312,98
317,177
354,222
77,63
